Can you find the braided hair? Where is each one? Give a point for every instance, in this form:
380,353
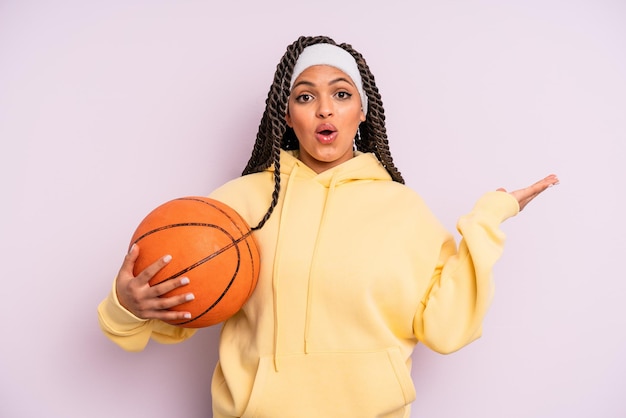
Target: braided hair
274,134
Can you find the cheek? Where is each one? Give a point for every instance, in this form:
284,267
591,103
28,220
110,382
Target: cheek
296,121
354,114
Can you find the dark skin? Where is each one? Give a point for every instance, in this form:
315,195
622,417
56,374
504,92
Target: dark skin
145,301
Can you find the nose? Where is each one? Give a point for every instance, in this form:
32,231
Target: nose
325,107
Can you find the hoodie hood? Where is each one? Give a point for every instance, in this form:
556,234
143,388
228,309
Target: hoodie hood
364,166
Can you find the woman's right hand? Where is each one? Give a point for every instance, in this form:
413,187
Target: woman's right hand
145,301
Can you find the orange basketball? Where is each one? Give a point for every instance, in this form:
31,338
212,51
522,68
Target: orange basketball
210,244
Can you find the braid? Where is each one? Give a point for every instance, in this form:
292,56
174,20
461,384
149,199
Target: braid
373,133
274,134
275,193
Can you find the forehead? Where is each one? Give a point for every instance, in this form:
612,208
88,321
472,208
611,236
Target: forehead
321,74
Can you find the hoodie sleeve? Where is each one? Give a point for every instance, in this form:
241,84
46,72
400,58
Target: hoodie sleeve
451,311
133,333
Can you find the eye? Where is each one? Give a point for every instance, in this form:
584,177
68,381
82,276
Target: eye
304,98
343,95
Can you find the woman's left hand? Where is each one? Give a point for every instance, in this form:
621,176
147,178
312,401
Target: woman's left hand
525,195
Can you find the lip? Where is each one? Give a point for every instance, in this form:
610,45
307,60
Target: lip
325,127
326,133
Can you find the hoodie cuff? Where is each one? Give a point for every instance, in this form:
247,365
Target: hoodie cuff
500,205
117,319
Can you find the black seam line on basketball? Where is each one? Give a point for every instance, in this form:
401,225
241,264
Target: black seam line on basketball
233,222
233,243
178,225
230,283
232,280
218,209
214,304
252,262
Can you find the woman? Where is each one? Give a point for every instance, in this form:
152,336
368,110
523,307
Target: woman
355,269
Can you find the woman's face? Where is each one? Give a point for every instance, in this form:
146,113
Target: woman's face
325,113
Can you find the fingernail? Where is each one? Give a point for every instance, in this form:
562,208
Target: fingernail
184,280
132,247
187,315
167,258
189,296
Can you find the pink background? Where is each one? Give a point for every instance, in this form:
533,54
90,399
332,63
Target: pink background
108,108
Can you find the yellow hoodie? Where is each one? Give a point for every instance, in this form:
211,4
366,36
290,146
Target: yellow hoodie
355,270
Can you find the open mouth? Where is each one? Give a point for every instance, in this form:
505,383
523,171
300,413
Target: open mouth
325,129
326,133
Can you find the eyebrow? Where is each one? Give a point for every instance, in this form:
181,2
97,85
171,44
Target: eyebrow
334,81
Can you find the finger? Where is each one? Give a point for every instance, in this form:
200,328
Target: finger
160,307
542,185
546,182
149,272
553,180
129,260
172,301
167,286
168,315
500,189
525,196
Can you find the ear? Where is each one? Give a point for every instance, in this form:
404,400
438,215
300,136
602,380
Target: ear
362,117
288,118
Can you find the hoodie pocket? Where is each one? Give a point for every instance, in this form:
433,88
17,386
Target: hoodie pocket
362,384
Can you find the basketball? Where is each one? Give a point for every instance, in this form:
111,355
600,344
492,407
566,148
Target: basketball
212,245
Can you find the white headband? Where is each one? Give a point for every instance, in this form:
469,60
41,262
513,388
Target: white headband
327,54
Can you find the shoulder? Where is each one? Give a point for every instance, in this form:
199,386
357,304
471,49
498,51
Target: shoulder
247,183
399,194
249,195
393,200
